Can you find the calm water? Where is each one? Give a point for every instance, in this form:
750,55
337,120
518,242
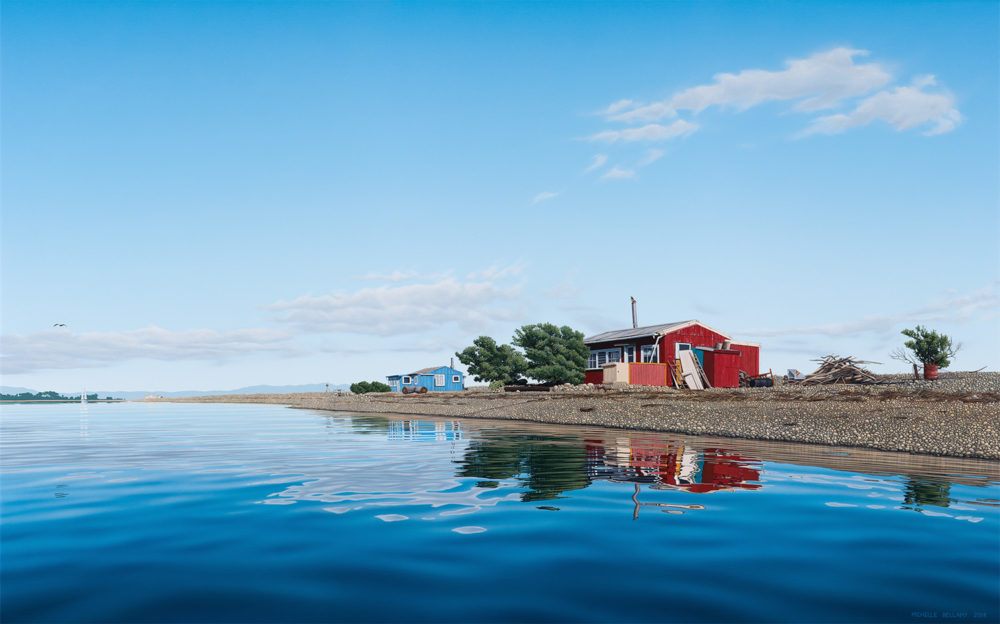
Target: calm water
174,513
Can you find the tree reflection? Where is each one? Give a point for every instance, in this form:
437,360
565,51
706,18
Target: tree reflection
546,466
926,492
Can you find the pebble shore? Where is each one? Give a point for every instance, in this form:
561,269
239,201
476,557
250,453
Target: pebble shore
956,416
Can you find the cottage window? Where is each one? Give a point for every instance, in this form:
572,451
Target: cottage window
456,379
439,380
603,356
649,353
407,379
630,353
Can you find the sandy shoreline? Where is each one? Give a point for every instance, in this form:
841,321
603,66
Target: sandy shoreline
956,418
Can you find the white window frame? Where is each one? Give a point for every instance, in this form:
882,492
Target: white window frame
629,353
650,354
598,357
681,346
439,380
407,379
456,379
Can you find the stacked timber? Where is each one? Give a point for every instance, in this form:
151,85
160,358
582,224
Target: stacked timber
834,369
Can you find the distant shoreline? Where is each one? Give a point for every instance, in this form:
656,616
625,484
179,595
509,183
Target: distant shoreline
958,416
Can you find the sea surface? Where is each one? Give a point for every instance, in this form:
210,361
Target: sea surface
162,512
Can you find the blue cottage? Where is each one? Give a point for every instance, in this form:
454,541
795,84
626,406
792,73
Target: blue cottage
434,379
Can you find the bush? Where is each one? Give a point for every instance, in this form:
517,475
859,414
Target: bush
926,347
364,387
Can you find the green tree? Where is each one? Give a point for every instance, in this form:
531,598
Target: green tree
926,347
364,387
488,361
555,354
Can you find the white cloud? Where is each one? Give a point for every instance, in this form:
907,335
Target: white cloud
650,157
959,308
902,108
616,173
647,112
823,79
403,309
597,162
616,106
650,132
495,273
544,195
400,276
62,349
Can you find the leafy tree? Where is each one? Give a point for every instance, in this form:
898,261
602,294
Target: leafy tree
926,347
364,387
555,354
488,361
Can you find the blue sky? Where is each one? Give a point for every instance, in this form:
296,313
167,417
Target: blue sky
212,195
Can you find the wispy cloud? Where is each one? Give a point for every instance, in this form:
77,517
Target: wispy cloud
649,132
62,349
650,157
617,173
597,162
823,81
543,196
902,108
496,273
390,311
818,82
955,308
397,277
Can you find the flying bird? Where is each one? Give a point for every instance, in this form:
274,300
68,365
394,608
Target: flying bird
59,325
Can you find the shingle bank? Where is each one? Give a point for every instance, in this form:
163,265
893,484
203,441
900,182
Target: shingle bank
957,416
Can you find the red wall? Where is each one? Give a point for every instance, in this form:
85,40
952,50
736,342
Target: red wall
723,368
749,358
647,374
695,335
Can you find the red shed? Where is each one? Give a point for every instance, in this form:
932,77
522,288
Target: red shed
651,349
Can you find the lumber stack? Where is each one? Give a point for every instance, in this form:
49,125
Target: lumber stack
834,369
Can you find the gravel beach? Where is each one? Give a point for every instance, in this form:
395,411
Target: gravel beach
957,415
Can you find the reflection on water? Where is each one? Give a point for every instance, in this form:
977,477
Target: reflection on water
255,513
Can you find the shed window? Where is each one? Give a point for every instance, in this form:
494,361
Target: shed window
438,380
407,379
456,379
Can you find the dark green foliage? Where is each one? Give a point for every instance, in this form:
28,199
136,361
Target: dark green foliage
555,354
927,347
364,387
488,361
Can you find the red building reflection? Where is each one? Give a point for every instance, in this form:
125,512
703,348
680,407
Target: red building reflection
671,465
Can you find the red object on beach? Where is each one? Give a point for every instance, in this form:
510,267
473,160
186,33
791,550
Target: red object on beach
930,371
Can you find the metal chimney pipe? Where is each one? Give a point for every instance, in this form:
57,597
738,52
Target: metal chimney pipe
635,322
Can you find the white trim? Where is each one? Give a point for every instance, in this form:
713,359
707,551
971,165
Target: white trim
406,379
456,379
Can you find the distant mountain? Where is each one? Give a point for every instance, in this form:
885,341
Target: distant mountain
140,394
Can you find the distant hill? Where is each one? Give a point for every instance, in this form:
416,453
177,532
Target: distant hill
139,394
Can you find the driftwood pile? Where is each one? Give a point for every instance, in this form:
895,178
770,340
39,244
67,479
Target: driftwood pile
834,369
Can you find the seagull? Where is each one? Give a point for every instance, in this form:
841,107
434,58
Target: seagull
59,325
